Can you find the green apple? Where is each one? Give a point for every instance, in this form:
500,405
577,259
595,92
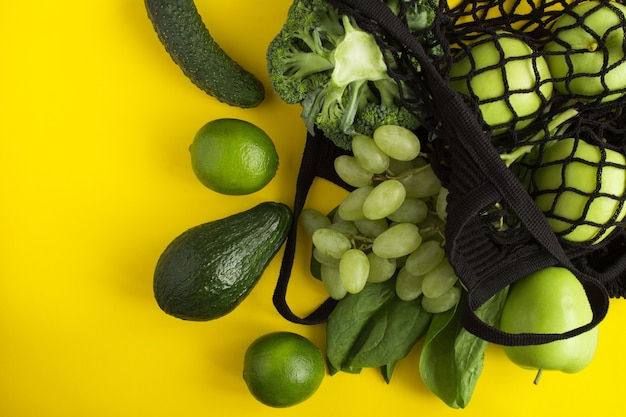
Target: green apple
586,52
579,188
551,300
501,66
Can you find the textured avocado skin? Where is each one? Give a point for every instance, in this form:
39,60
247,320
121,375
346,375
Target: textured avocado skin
185,37
208,270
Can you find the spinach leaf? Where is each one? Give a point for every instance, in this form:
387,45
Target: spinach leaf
393,331
348,319
373,328
452,359
387,371
437,363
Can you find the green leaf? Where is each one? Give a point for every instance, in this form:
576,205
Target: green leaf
348,319
452,359
470,350
437,363
393,331
373,328
387,371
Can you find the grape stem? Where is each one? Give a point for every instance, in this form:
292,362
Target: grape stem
405,174
432,229
354,238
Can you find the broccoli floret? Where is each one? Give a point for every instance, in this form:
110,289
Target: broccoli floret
299,58
374,115
420,14
336,71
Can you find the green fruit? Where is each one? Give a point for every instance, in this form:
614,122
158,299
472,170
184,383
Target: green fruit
563,188
233,157
208,270
282,369
500,66
589,39
551,300
182,32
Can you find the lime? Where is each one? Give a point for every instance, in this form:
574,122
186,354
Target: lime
234,157
282,369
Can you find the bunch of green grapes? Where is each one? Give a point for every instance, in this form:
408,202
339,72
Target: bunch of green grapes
390,226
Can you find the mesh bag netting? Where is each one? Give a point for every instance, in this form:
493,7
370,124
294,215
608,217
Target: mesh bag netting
504,167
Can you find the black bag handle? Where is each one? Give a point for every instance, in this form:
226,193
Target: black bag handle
493,182
317,161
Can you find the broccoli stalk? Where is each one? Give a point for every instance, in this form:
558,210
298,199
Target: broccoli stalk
336,71
357,61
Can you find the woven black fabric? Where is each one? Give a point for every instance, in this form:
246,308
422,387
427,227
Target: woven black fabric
467,157
317,161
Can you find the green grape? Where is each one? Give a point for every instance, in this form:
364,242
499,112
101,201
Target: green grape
351,171
443,303
351,208
408,286
369,155
324,259
312,220
381,269
425,258
439,280
354,269
422,184
442,204
336,218
371,228
412,210
345,227
397,142
400,167
331,242
332,281
384,199
399,240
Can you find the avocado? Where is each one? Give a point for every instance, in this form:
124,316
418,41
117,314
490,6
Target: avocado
208,270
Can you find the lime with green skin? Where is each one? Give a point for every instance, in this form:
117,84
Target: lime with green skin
580,188
586,56
551,300
282,369
233,157
502,66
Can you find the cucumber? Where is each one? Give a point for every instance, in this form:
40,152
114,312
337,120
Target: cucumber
208,270
185,37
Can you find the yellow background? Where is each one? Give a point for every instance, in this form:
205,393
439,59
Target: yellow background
95,122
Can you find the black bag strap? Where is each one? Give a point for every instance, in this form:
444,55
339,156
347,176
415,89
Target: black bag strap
317,161
482,182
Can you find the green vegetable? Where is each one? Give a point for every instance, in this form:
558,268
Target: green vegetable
551,300
373,328
336,71
452,358
208,270
580,187
181,30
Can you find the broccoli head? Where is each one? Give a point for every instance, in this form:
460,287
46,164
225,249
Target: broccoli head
337,72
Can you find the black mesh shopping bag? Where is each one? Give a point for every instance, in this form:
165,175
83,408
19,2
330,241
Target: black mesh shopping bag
466,153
